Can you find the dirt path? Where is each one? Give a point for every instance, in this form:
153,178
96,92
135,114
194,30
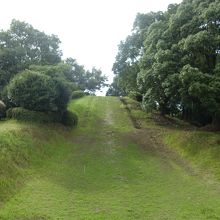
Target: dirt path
107,169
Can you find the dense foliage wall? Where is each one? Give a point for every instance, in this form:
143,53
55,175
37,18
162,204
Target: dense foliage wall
173,59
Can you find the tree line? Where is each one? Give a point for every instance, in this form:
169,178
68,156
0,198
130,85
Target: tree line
34,76
171,61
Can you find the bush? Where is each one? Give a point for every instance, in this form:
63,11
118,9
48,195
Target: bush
77,94
62,94
135,95
22,114
38,92
2,109
9,113
69,119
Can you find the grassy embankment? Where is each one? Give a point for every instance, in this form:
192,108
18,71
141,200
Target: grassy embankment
201,148
96,171
24,147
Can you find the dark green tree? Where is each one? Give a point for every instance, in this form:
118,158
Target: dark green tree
115,89
177,58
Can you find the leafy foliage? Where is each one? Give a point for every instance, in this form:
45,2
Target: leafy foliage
86,80
19,113
77,94
69,119
21,46
33,76
135,95
172,59
115,88
38,92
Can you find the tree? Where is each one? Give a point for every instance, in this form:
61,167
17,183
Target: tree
22,46
94,80
86,80
126,63
177,55
38,47
115,89
201,92
126,66
159,65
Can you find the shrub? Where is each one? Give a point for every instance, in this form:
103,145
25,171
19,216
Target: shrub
69,119
9,113
22,114
135,95
87,93
33,91
38,92
2,109
77,94
62,93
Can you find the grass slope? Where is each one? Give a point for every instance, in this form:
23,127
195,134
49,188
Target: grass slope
201,148
97,171
23,149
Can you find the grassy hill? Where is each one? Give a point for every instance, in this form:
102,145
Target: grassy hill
201,148
24,148
104,168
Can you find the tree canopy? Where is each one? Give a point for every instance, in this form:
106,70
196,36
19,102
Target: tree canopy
33,74
172,59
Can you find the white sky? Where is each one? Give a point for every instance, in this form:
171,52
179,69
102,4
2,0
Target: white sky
90,30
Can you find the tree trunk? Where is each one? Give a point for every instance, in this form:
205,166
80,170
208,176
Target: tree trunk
186,114
216,123
163,110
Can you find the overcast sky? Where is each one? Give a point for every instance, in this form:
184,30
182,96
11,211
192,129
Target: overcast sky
90,30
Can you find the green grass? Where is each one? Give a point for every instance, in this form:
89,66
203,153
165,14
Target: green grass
96,171
24,147
200,147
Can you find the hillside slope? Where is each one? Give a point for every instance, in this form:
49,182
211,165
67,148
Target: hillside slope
103,169
201,148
